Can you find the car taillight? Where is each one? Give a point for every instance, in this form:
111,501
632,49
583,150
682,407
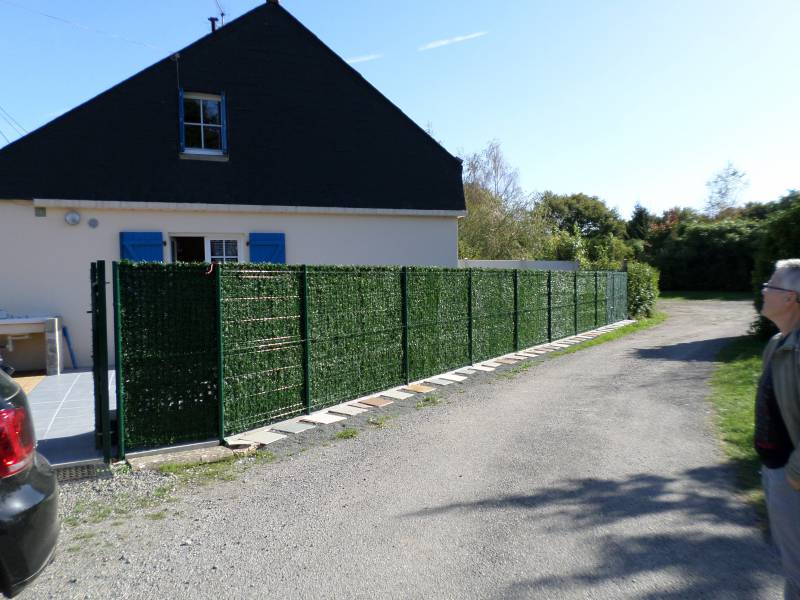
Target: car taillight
16,441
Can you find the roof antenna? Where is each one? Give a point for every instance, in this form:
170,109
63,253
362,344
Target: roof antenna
221,13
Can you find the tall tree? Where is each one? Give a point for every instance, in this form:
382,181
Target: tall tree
640,223
590,214
723,190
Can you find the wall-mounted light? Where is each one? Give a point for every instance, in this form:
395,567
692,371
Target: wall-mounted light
93,223
73,217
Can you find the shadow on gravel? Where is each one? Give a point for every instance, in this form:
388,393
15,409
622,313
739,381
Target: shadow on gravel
699,351
708,564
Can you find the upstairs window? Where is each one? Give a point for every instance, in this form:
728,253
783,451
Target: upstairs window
203,124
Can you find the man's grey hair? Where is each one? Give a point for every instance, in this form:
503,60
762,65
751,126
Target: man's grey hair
788,273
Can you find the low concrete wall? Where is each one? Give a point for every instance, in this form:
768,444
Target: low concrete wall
535,265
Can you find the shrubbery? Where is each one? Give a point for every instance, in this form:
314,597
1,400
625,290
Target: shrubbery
642,289
780,239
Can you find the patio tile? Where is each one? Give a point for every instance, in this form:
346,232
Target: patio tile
347,410
419,388
483,368
396,395
451,377
507,361
322,419
438,381
259,436
292,427
375,401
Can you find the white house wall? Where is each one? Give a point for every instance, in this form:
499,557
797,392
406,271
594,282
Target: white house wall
44,262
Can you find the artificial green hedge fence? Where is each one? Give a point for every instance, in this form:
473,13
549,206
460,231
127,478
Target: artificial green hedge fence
275,341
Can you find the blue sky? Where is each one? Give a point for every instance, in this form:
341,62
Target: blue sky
632,101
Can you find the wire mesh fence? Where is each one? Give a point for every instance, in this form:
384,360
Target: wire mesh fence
166,357
206,352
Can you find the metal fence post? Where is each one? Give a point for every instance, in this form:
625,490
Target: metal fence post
304,334
101,358
596,299
575,296
404,301
220,356
118,362
469,316
516,310
549,306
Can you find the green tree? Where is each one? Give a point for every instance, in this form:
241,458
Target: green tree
724,189
640,223
502,222
588,213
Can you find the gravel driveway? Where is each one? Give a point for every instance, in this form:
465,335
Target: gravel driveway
591,475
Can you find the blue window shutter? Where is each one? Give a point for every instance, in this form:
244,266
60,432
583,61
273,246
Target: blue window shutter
181,132
141,246
223,119
268,247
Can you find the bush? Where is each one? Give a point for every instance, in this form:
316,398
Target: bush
642,289
779,239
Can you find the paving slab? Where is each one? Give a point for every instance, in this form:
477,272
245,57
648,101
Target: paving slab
483,368
439,381
375,401
507,361
489,363
396,395
347,410
452,377
259,436
466,371
322,419
292,427
419,388
187,457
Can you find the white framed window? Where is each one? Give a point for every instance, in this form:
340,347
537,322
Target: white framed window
223,249
203,126
207,247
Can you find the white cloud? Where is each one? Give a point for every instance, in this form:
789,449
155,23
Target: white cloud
365,58
452,40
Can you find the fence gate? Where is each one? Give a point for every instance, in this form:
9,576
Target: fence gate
102,416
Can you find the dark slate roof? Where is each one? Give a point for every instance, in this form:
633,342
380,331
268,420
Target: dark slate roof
304,129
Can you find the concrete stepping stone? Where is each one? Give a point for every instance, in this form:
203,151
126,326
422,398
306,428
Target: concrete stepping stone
451,377
259,436
483,368
439,381
519,356
396,394
322,419
507,361
418,388
375,401
489,363
292,427
347,410
466,371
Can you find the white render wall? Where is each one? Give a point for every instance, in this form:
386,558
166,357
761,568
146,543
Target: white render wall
44,262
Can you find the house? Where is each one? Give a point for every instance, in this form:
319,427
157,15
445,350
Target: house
255,143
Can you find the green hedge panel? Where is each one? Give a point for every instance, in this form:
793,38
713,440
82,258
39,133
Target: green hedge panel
532,305
492,312
262,345
169,355
355,319
562,285
438,320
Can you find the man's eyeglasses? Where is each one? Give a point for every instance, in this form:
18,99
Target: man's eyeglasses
767,286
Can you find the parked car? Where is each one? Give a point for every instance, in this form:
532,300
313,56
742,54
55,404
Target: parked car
29,522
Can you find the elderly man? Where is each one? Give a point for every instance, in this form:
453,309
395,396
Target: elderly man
778,418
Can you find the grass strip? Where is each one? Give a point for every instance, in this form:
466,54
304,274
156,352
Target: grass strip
703,295
733,394
641,324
